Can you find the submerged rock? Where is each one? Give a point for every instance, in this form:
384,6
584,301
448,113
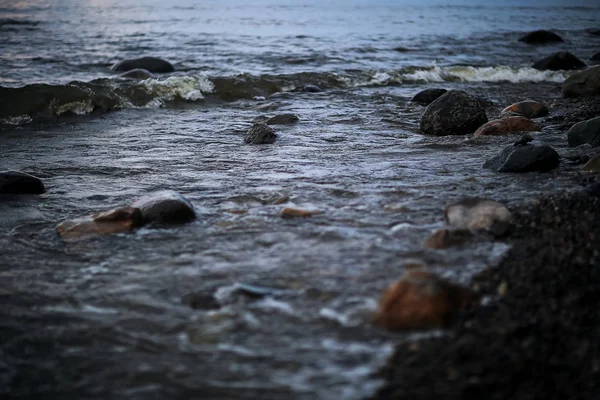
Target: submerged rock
151,64
454,113
283,119
260,133
119,220
427,96
527,109
584,83
165,207
474,213
15,182
290,212
444,238
585,132
562,60
421,300
524,158
507,125
593,165
138,73
540,36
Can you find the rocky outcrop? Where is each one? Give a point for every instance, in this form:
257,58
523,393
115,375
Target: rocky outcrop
165,207
507,125
584,83
427,96
585,132
151,64
260,133
540,37
453,113
524,158
15,182
527,109
562,60
119,220
474,213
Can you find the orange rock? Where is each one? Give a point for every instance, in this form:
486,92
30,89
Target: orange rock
527,108
289,212
421,300
444,238
118,220
507,125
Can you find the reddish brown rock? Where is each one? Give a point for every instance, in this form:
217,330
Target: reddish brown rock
421,300
527,108
444,238
119,220
290,212
506,125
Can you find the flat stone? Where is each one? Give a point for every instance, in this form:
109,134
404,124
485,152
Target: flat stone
119,220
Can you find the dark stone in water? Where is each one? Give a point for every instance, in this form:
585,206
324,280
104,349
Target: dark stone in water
427,96
165,206
454,113
138,73
540,37
585,132
524,158
562,60
151,64
584,83
15,182
595,57
283,119
311,89
200,301
401,49
260,133
595,32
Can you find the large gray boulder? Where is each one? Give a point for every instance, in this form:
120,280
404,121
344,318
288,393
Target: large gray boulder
585,132
562,60
151,64
165,207
524,158
584,83
15,182
454,113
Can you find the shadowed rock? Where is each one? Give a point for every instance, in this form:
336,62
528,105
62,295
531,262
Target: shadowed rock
15,182
584,83
540,37
595,57
138,73
507,125
151,64
283,119
454,113
427,96
166,207
527,109
593,165
474,213
562,60
524,158
106,223
585,132
260,133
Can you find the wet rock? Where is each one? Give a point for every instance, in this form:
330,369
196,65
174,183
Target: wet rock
595,57
15,182
138,73
507,125
427,96
474,213
311,89
585,132
421,300
561,60
584,83
580,154
119,220
540,37
454,113
200,301
524,158
593,165
260,133
595,32
283,119
401,49
151,64
527,109
444,238
165,207
290,212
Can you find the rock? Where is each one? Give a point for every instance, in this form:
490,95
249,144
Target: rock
474,213
119,220
527,109
561,60
290,212
138,73
524,158
311,89
260,133
283,119
427,96
593,165
454,113
584,83
15,182
444,238
595,57
200,301
540,37
151,64
401,49
421,300
595,32
165,207
585,132
507,125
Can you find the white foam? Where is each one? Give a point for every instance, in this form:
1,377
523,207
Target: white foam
189,87
484,74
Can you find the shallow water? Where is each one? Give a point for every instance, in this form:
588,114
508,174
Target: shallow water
162,312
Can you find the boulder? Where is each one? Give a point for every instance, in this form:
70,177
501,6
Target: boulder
507,125
427,96
527,109
421,300
260,133
165,207
15,182
283,119
454,113
524,158
593,165
585,132
540,37
444,238
119,220
138,73
584,83
151,64
562,60
474,213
